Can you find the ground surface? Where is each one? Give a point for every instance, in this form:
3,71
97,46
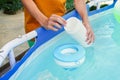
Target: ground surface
11,26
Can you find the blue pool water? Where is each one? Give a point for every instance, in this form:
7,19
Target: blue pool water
102,58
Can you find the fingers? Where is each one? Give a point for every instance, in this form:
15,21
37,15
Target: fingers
58,19
55,22
90,35
53,26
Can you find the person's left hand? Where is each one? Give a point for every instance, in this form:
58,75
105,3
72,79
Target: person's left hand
90,34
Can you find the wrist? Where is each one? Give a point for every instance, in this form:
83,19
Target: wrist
86,24
43,21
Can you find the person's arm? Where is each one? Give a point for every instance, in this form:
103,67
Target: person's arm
80,6
47,23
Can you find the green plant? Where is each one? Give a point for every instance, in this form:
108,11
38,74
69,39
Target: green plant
92,8
103,5
11,6
1,4
69,5
87,1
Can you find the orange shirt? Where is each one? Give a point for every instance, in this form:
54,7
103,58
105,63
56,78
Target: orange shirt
47,7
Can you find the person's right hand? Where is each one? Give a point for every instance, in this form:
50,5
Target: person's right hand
54,22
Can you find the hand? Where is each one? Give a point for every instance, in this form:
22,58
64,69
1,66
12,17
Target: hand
54,22
90,34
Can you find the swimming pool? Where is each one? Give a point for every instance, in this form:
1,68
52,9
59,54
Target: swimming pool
102,58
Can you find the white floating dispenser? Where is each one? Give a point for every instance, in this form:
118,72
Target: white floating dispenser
76,29
69,56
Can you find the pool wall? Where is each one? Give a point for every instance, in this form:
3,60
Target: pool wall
45,35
